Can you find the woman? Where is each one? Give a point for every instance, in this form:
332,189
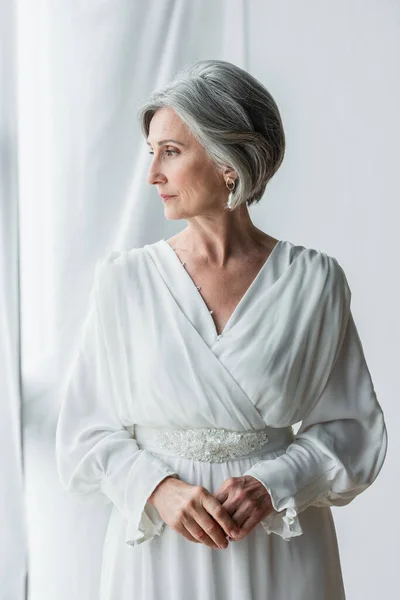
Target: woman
198,355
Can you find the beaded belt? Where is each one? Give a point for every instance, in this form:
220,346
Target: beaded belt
211,444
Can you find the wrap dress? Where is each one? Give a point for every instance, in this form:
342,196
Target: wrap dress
149,359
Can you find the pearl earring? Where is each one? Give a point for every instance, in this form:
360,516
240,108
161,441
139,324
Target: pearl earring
231,189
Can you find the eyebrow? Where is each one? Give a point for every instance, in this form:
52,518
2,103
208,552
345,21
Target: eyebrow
161,142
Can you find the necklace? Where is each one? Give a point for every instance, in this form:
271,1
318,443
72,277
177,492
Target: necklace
198,287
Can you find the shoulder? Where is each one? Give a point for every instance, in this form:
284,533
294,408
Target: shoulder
108,264
116,260
118,267
316,264
111,267
312,256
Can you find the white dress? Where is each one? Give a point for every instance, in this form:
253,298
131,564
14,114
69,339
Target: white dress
149,360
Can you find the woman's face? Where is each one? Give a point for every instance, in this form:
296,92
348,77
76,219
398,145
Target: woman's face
182,169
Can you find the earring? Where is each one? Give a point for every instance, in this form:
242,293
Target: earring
231,189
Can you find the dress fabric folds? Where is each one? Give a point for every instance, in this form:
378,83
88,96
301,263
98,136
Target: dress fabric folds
149,357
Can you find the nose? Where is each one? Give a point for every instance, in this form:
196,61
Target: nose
154,174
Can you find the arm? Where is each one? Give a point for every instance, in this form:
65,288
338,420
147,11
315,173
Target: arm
96,455
337,452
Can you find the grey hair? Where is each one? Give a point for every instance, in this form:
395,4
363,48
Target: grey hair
232,115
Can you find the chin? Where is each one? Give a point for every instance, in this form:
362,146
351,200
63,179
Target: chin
173,213
172,218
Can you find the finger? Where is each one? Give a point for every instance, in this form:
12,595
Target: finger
232,505
219,514
197,533
210,528
243,512
221,496
248,525
227,488
186,534
259,508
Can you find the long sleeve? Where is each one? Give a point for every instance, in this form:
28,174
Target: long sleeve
96,455
338,451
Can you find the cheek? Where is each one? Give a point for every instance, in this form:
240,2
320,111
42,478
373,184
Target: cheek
193,176
204,176
186,177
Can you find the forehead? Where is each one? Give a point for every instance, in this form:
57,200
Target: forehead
166,123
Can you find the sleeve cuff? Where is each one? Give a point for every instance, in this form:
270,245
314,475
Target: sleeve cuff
286,523
282,521
291,490
147,522
143,519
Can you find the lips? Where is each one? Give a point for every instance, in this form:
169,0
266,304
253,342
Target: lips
166,197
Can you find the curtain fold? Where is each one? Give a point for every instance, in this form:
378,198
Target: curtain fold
13,547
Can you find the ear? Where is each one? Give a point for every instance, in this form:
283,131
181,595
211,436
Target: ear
229,172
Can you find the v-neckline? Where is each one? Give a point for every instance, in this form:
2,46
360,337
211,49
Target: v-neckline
239,306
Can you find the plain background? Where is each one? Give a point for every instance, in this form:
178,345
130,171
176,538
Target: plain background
73,187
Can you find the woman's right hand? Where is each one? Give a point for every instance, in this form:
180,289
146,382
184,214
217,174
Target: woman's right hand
193,512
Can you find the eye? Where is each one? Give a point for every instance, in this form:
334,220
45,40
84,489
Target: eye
168,152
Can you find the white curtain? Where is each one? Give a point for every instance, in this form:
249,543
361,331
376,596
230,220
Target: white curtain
73,186
13,563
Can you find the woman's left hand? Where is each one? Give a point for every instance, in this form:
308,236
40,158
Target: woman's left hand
246,500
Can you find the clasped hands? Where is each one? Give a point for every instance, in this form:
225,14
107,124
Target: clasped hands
233,511
247,502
